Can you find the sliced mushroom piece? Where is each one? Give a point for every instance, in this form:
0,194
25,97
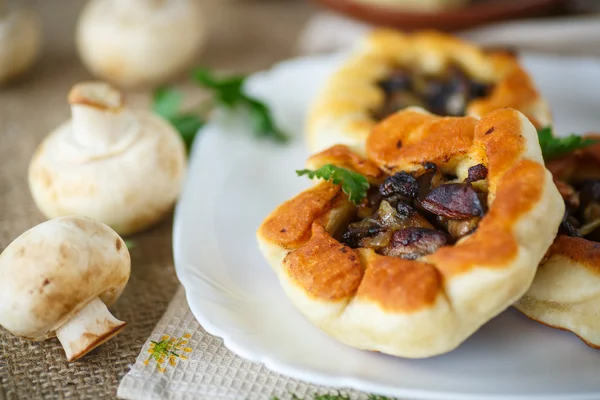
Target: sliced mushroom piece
397,101
402,183
569,194
476,173
386,219
460,228
589,200
454,201
360,230
398,80
479,89
429,179
378,241
589,228
449,96
569,226
415,242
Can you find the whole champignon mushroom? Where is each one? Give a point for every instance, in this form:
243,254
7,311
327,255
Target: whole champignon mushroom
57,279
20,36
121,167
140,42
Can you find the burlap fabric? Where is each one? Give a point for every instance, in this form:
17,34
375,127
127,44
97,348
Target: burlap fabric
265,31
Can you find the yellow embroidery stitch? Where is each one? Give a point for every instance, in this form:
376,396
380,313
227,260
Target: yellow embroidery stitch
169,348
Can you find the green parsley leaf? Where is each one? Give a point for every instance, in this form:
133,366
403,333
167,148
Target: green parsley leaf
553,147
353,184
167,104
229,92
262,122
130,244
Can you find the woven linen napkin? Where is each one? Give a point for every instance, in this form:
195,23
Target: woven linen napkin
181,360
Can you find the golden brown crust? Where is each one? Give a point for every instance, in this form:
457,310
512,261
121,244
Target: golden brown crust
343,113
342,156
396,284
411,138
493,244
290,224
515,90
455,289
584,252
324,267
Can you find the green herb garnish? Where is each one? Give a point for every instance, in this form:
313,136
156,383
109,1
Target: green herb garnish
130,244
553,147
229,92
167,104
226,92
353,184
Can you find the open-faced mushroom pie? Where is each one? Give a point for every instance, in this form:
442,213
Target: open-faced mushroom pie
566,291
389,71
456,215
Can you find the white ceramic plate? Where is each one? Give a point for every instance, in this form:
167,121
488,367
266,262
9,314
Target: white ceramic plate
235,181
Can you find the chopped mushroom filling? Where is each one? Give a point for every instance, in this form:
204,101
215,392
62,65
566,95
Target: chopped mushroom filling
411,215
582,214
446,95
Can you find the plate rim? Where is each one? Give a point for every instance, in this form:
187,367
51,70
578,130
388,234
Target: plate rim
280,366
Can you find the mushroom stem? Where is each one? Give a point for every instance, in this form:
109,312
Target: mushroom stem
99,119
89,328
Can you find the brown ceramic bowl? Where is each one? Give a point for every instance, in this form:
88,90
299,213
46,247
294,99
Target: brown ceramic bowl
479,12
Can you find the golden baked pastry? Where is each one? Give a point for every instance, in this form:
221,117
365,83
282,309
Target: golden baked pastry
389,71
566,291
459,214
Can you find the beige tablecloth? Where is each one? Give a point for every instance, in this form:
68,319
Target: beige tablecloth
246,35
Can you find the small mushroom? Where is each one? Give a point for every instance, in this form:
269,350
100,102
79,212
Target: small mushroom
140,42
58,278
454,201
20,37
121,167
415,242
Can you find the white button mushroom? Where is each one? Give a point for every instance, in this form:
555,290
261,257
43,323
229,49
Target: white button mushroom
121,167
20,34
58,278
140,42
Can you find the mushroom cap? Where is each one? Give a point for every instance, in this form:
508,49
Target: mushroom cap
140,45
129,186
56,268
343,112
427,306
20,37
